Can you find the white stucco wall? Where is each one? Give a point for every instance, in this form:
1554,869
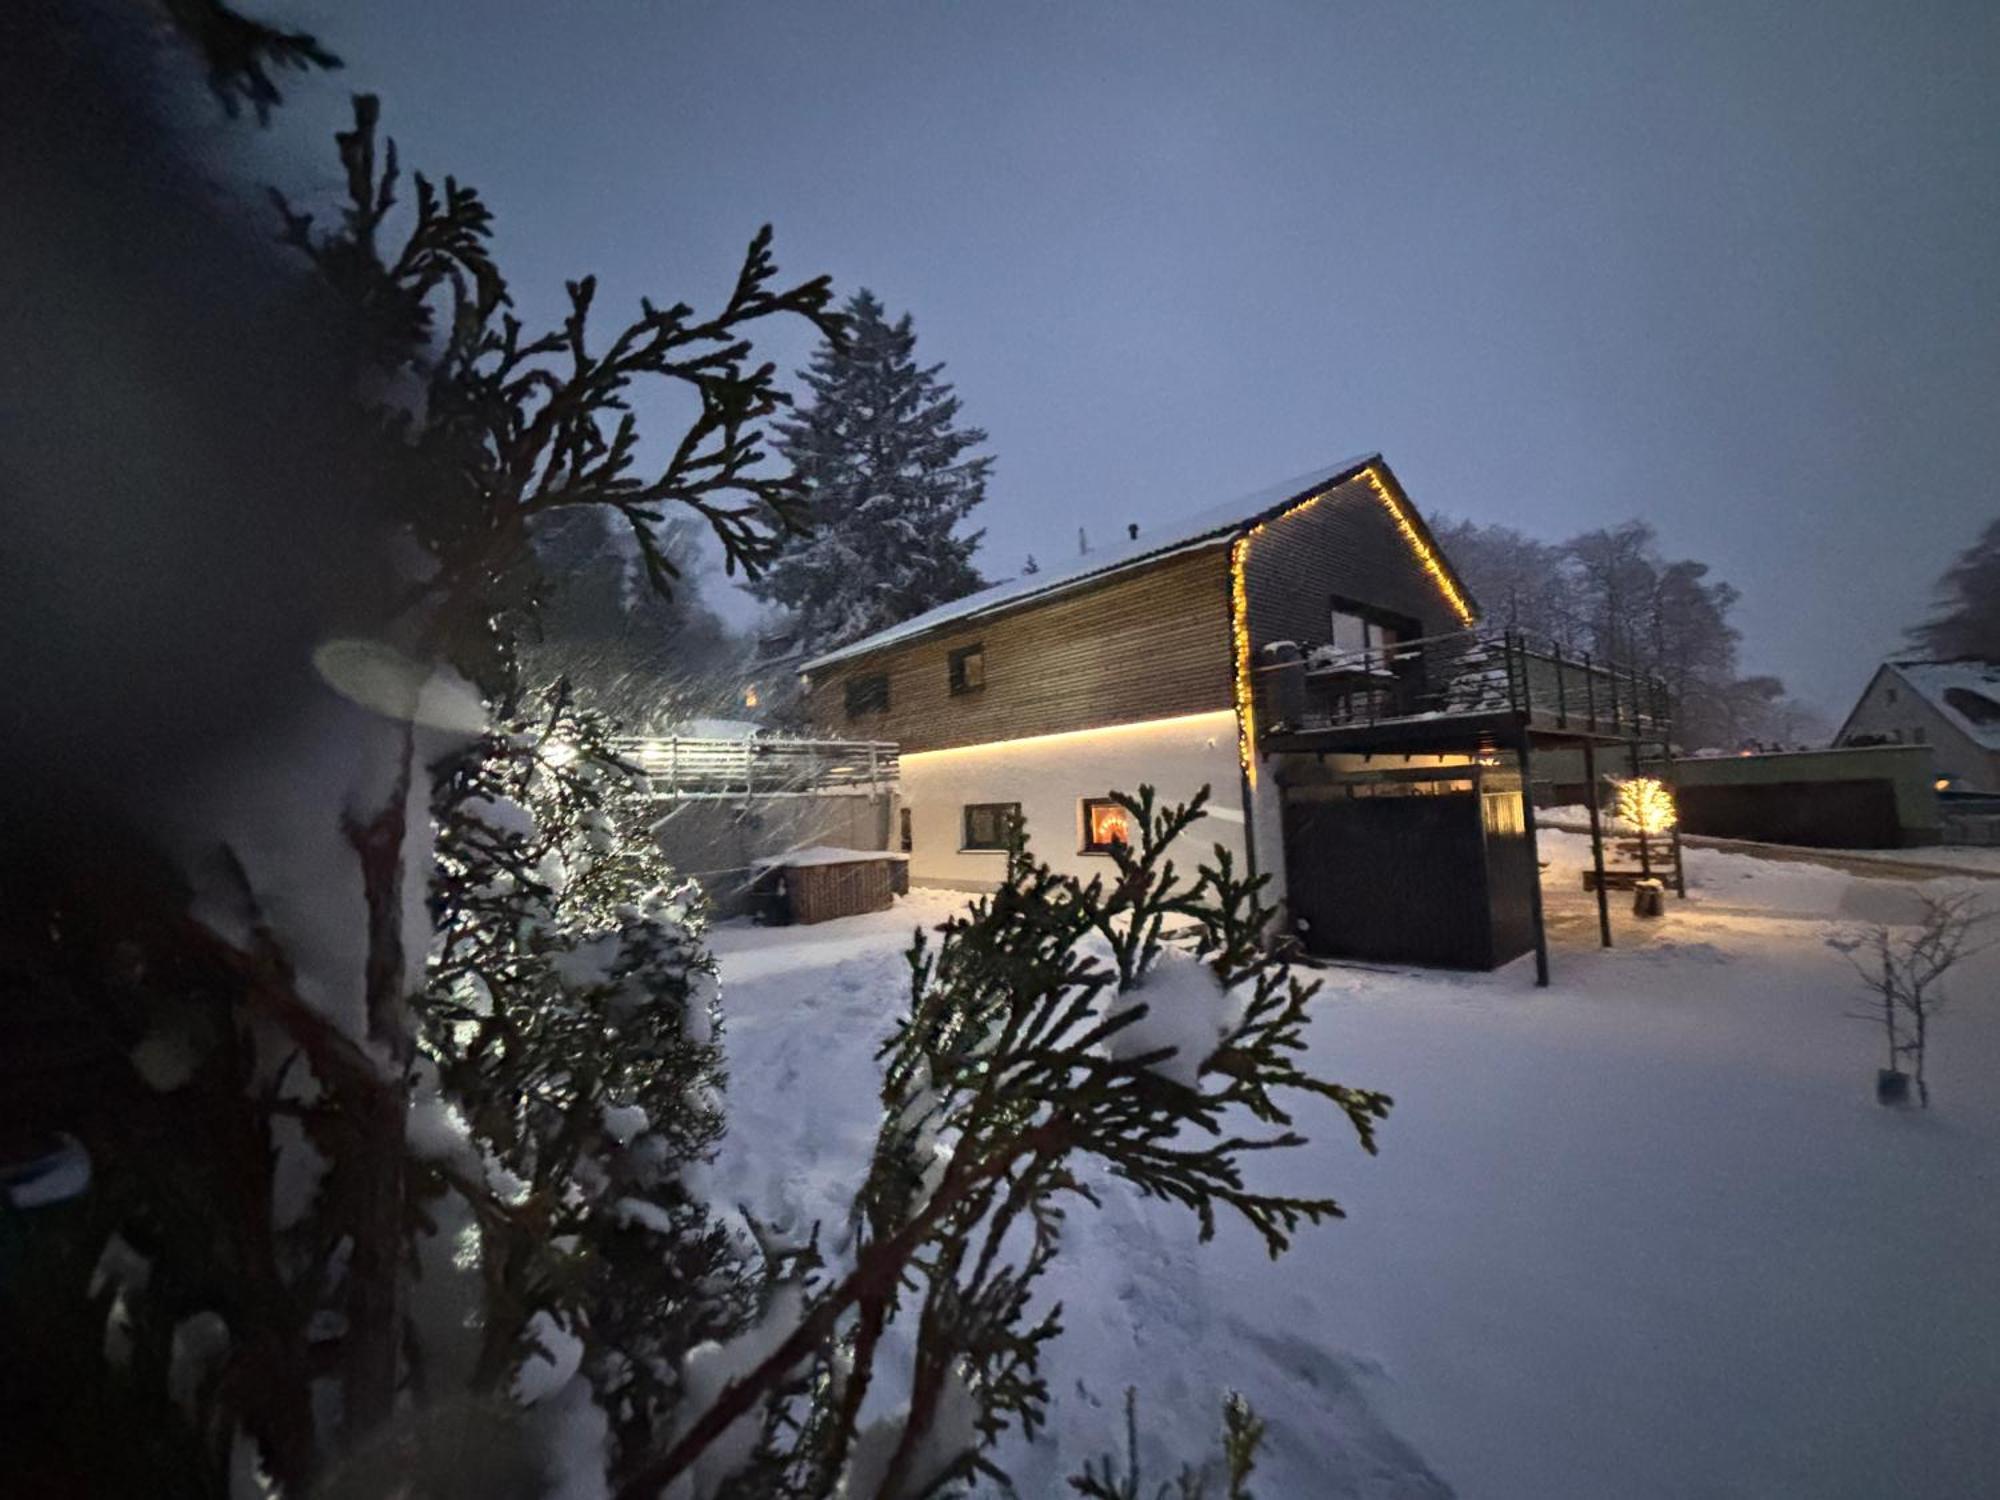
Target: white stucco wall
1050,775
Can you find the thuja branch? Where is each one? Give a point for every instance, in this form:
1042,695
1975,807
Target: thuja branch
878,1270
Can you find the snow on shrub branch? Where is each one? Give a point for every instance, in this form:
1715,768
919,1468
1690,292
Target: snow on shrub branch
1140,1021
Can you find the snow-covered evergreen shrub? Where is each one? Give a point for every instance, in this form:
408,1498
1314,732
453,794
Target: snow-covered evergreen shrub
1137,1026
570,1018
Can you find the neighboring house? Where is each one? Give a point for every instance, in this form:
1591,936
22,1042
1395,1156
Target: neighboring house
1951,706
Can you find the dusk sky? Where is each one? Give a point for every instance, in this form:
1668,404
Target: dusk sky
1734,268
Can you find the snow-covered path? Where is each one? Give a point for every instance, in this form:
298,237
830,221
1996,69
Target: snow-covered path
1643,1234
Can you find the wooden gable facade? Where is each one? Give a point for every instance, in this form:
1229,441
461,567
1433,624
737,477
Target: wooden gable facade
1150,643
1346,547
1153,640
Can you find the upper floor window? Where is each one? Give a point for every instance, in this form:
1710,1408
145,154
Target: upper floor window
968,668
987,824
1358,632
1105,822
1975,705
868,695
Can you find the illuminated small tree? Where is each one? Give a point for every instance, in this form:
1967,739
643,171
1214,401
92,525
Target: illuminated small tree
1647,804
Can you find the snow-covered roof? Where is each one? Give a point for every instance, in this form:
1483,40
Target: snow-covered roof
1211,527
825,854
1967,693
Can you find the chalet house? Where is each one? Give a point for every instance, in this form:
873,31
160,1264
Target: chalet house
1952,706
1305,652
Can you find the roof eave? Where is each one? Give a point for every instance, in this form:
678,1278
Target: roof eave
1221,537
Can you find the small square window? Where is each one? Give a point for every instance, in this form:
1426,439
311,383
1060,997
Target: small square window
968,669
1106,822
868,695
987,824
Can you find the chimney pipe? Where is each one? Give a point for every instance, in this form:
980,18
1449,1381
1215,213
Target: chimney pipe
1132,528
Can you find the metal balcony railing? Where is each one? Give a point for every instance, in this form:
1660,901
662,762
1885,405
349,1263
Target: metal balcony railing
1465,672
696,768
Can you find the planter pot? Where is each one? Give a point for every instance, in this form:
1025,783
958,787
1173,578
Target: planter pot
1649,899
1892,1086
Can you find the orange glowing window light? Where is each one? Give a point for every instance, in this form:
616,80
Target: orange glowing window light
1105,823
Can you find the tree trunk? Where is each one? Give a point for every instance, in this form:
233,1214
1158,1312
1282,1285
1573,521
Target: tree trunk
375,1270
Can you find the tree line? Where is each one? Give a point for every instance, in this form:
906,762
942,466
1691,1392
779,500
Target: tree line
1613,593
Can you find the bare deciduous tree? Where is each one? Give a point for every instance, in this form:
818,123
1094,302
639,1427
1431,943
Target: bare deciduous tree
1905,970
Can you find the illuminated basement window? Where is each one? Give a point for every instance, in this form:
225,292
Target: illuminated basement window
1105,823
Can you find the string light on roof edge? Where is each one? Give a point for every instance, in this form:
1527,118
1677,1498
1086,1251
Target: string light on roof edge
1239,603
1239,628
1433,564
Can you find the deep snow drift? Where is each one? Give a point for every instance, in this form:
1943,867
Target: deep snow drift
1642,1234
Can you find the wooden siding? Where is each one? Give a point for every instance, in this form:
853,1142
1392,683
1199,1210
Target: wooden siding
1346,546
819,893
1149,644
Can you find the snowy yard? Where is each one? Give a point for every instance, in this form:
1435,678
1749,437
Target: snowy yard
1642,1234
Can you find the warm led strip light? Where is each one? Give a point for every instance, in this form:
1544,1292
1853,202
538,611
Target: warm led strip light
1099,731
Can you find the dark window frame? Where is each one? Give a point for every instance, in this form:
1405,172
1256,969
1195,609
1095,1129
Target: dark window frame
1972,705
955,669
1407,627
1010,813
905,830
867,694
1087,845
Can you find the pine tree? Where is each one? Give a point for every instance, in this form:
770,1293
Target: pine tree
888,479
1968,620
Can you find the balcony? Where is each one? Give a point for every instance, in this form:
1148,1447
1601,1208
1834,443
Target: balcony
687,769
1495,680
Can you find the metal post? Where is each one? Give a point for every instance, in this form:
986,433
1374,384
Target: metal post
1680,874
674,764
1597,840
1534,865
1638,770
1590,690
1562,690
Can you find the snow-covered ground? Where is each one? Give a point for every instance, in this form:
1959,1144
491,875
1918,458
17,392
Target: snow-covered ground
1642,1234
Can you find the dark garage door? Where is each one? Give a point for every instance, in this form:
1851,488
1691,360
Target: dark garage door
1818,814
1391,879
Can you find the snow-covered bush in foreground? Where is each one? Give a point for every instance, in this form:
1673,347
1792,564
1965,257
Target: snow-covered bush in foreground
384,1197
569,1024
404,1047
1139,1021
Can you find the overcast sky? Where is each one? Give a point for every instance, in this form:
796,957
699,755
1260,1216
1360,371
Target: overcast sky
1732,267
